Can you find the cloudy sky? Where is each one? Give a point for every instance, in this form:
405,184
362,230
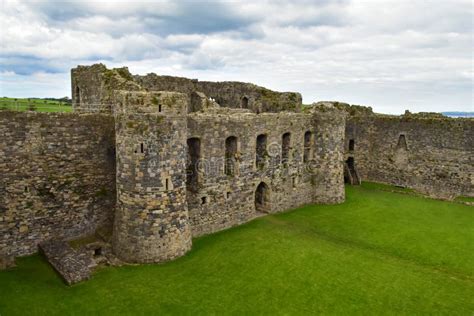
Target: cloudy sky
392,54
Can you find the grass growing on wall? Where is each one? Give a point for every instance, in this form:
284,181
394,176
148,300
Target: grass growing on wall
38,105
465,199
378,253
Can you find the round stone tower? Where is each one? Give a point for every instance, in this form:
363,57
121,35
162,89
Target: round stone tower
328,169
151,219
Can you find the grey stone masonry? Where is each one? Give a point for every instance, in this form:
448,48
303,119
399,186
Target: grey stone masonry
151,221
430,153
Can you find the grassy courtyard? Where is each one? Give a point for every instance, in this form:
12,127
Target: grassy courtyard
378,253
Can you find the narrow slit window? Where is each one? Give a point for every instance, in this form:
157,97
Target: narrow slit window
142,148
351,145
307,146
77,96
159,108
203,200
167,184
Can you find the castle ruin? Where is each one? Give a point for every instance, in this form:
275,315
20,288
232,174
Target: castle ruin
157,160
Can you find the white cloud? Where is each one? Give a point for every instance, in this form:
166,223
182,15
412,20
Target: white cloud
391,55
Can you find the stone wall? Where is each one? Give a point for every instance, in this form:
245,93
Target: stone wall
218,200
433,155
57,177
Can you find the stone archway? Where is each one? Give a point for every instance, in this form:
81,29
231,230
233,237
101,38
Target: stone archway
262,198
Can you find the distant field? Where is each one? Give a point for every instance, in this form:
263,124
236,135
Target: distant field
38,105
379,253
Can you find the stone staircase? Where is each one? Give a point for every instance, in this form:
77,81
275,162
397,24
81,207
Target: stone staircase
352,174
73,266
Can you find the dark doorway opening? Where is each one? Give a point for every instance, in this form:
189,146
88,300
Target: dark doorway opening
244,103
402,142
351,175
262,198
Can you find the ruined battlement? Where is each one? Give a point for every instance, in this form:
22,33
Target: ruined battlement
93,86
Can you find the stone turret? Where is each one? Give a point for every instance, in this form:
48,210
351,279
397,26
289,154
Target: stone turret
92,87
329,121
151,220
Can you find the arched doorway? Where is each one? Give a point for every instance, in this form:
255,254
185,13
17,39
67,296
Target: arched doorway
262,198
244,103
351,175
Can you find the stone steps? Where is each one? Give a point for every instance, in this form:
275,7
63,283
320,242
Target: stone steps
71,265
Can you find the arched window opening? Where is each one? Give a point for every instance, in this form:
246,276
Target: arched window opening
244,103
230,165
194,154
285,147
402,142
351,145
262,198
77,96
260,150
307,146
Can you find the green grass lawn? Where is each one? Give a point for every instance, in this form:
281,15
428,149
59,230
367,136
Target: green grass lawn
378,253
38,105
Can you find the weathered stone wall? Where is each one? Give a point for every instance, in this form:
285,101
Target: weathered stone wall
57,177
92,87
329,123
219,200
151,222
93,90
437,159
227,94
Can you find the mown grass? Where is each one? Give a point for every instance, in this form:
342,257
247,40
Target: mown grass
38,105
378,253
